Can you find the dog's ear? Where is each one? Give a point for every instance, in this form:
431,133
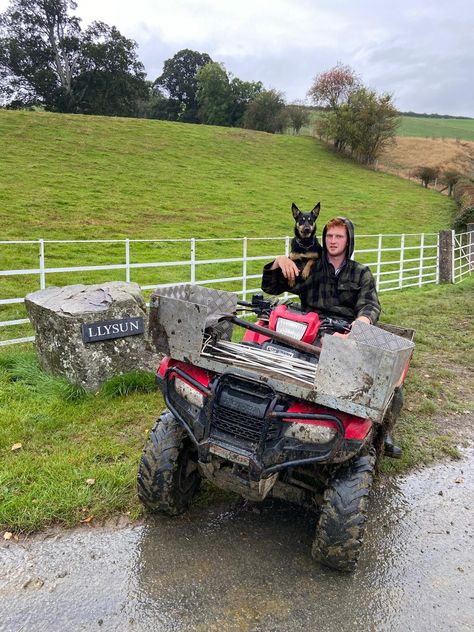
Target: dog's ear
295,210
316,209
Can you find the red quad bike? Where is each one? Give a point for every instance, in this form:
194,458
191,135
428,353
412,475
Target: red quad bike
291,412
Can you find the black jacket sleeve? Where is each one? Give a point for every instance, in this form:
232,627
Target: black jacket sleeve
273,281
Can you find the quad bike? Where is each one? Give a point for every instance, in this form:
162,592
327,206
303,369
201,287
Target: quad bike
291,412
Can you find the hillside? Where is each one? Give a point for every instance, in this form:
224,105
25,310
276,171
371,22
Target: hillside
92,177
410,152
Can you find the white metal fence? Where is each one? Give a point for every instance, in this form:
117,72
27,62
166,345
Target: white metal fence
463,255
397,261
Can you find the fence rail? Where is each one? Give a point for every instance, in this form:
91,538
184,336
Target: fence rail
397,261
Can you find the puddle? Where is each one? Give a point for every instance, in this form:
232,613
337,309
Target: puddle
248,568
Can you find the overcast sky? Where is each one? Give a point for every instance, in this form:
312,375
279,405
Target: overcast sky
422,52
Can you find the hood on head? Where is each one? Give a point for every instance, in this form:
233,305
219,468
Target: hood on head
350,232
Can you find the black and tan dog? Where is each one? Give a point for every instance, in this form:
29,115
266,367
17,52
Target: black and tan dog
305,247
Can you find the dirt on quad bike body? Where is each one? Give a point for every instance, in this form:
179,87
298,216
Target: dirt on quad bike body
291,412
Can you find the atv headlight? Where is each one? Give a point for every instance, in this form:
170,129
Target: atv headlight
309,433
291,328
188,393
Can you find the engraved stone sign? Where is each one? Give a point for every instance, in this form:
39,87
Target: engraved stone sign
113,316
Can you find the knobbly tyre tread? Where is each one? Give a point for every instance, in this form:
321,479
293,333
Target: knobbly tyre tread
341,525
158,480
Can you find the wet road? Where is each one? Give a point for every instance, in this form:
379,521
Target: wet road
247,567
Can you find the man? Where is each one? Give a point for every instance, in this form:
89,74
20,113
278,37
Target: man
338,287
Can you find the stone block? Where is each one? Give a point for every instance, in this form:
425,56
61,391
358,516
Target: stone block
64,318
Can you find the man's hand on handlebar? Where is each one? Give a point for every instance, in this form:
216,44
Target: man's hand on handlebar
288,268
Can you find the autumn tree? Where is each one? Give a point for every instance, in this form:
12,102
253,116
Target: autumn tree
450,178
331,89
426,174
356,120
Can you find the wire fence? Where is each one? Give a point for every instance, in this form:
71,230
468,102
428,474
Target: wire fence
235,264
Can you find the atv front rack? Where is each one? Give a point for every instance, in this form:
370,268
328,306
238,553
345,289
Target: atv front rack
356,374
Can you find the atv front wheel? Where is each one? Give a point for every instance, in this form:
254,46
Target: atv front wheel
168,476
343,516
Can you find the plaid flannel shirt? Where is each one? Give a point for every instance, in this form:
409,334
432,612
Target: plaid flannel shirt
347,295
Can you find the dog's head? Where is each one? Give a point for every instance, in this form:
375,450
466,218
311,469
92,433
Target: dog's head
305,223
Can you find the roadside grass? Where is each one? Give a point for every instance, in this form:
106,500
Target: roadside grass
79,452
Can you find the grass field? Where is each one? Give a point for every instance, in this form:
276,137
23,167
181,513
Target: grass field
79,453
436,128
79,177
76,455
422,127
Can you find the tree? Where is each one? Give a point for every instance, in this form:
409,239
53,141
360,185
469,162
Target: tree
110,79
39,44
357,120
266,112
242,93
298,116
213,94
179,80
450,179
46,59
372,123
426,174
332,88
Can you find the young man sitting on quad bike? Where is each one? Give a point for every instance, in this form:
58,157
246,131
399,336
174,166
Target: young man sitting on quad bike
337,288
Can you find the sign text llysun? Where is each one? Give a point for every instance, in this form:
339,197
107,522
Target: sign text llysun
109,329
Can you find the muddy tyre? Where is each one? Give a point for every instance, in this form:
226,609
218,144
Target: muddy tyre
168,476
341,525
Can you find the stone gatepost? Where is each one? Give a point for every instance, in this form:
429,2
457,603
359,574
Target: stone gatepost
446,245
89,333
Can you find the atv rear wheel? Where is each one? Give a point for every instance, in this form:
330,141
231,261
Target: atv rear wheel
168,476
341,525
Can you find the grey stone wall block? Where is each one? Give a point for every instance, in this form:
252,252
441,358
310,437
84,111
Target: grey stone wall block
57,315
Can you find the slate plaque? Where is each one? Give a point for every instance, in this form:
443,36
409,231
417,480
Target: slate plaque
109,329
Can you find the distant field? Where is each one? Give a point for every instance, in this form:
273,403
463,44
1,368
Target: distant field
424,127
437,128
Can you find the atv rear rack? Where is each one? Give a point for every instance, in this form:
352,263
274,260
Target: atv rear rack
356,374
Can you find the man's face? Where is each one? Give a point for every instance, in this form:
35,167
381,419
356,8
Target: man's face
336,240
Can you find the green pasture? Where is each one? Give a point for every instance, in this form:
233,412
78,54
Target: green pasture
424,127
70,177
76,455
462,129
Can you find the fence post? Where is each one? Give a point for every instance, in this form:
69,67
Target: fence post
379,262
446,256
470,241
193,260
127,260
244,270
41,264
422,254
402,260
